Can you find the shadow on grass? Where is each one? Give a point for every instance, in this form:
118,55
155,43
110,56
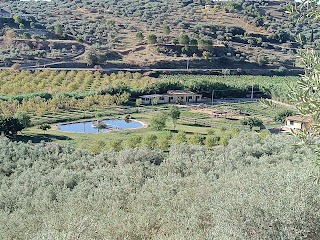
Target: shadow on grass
195,125
37,138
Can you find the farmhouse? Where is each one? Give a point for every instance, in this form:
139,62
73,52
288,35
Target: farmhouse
298,123
172,96
4,13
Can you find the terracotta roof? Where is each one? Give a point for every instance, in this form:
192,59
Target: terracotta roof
303,119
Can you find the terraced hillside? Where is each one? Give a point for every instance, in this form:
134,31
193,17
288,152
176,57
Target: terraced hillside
160,33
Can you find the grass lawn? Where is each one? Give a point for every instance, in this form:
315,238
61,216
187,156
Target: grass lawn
82,140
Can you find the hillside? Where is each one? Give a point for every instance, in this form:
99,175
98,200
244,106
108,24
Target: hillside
153,33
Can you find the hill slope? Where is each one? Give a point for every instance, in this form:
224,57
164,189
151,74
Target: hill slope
147,32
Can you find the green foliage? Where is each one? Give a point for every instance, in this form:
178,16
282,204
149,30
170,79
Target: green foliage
158,121
211,141
250,189
174,113
180,137
17,19
164,141
150,141
206,55
281,117
32,25
166,30
58,29
133,141
252,122
306,93
26,35
184,39
138,102
139,36
155,101
152,39
195,139
116,145
45,127
10,126
24,119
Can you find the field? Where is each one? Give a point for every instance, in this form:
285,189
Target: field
195,125
55,97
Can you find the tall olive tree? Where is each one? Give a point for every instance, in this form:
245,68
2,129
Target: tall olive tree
307,92
174,113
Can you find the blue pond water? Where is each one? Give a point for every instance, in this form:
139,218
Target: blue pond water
86,127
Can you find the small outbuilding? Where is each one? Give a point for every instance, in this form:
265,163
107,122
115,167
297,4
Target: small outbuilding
298,123
172,96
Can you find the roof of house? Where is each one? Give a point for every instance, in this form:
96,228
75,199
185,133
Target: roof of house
151,96
303,119
179,92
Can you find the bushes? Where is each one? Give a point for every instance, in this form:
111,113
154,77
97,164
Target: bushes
252,188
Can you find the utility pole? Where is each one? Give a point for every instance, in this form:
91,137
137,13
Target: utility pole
212,97
252,92
187,63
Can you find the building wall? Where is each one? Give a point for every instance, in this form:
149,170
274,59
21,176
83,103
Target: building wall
174,98
185,98
296,125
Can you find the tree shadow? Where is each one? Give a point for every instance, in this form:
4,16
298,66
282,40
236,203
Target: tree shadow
37,138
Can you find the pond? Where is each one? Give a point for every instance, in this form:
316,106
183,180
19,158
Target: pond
90,127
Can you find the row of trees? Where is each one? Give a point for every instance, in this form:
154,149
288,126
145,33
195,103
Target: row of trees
14,82
165,139
40,106
251,188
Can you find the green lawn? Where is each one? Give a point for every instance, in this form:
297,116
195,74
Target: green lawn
83,140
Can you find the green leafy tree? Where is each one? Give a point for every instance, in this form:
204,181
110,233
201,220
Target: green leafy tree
281,117
252,122
174,113
58,29
138,103
155,101
158,121
152,39
195,139
205,44
211,141
150,141
184,39
10,126
166,30
32,25
133,141
24,119
44,127
206,55
115,145
26,35
164,141
180,137
139,36
17,19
